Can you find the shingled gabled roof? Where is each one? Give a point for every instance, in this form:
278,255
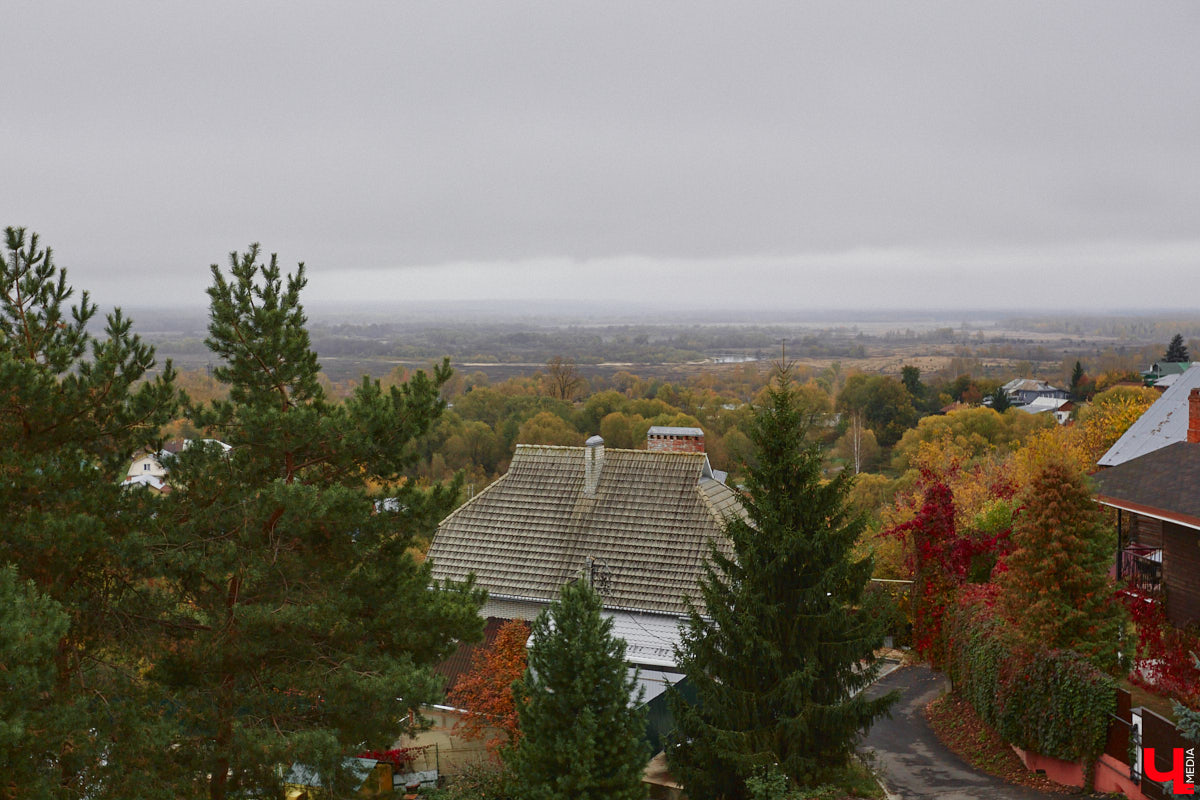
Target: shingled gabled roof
1160,484
647,527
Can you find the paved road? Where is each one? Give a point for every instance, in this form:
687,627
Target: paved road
913,763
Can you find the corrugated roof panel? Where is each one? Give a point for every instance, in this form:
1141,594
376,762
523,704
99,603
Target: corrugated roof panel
1164,423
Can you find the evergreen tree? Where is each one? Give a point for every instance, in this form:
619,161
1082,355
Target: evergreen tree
910,376
303,631
581,739
1177,351
1000,401
1077,376
1056,588
786,635
1187,720
73,409
31,626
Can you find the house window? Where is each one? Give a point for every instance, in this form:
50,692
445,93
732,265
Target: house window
146,467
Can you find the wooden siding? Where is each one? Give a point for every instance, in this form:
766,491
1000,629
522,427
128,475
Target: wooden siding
1181,573
1146,531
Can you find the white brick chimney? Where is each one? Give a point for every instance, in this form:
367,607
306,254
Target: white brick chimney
593,464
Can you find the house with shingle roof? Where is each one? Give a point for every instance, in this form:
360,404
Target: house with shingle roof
639,525
1157,498
636,524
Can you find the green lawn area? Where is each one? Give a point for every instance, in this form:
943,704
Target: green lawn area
1156,703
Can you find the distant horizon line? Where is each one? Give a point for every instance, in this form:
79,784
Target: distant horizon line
575,310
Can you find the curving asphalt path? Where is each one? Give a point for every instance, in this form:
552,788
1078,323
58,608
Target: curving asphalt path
912,762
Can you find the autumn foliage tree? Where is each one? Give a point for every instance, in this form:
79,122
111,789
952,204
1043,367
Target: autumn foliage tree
932,536
563,379
956,533
486,690
1056,588
1109,415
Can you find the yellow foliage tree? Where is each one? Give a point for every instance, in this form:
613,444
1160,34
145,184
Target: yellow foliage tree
1109,415
974,432
548,428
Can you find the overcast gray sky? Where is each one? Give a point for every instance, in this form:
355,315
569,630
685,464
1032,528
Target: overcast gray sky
809,155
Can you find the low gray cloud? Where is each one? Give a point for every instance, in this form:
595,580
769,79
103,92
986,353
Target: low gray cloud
911,153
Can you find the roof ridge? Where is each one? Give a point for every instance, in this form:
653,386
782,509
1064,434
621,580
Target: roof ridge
607,449
552,446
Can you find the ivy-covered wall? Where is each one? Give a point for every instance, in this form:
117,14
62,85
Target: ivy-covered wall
1052,702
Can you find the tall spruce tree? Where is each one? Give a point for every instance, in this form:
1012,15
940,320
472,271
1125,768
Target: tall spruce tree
74,407
580,738
785,637
1056,588
1177,351
304,630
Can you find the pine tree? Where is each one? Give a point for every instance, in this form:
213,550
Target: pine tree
1177,352
31,626
303,630
1056,588
580,740
785,637
74,407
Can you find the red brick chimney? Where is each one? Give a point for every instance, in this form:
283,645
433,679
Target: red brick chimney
1193,434
666,439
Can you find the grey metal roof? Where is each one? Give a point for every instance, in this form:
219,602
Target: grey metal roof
667,430
1028,385
1164,423
1044,404
646,528
650,639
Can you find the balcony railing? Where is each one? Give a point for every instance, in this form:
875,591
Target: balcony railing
1141,568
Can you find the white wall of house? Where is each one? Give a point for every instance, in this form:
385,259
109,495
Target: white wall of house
147,465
